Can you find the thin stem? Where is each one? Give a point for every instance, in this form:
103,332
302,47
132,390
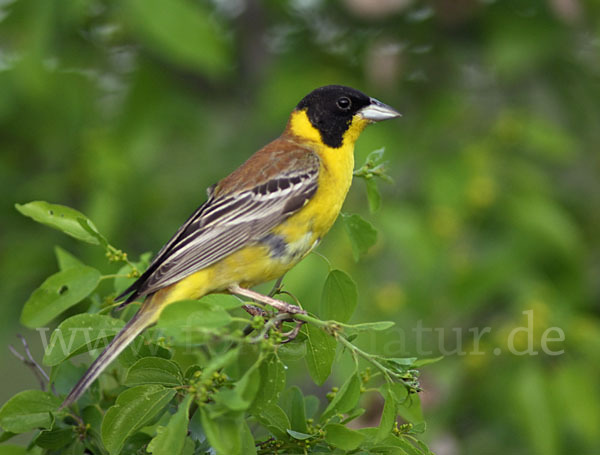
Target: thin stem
292,296
316,253
38,371
322,324
31,359
114,275
108,308
29,364
368,357
271,323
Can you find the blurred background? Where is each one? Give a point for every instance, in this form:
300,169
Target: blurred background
128,110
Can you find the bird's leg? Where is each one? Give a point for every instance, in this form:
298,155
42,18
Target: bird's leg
253,310
292,334
276,287
283,307
280,305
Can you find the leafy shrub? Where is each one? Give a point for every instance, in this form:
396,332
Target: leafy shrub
207,377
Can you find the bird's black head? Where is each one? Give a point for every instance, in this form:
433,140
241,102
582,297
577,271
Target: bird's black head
332,108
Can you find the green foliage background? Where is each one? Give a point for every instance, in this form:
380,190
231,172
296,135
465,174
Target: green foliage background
128,110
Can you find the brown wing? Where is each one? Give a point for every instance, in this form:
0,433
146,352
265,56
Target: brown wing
273,184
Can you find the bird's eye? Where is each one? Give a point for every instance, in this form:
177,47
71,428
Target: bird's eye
344,103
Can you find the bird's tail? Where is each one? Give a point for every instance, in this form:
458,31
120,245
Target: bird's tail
146,316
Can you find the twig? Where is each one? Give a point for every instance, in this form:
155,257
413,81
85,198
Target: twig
368,357
271,323
38,371
29,364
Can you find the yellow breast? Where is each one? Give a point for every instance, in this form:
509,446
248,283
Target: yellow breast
305,229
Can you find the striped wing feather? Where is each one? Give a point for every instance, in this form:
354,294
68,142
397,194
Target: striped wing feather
234,216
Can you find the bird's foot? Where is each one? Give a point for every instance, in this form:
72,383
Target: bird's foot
292,334
286,310
280,305
253,310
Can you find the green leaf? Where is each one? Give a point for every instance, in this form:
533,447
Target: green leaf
345,399
88,227
385,449
231,400
341,437
299,435
375,157
272,382
220,361
293,403
274,419
154,370
170,439
410,408
185,33
65,259
406,446
13,450
142,347
58,293
320,353
243,393
63,218
298,411
248,385
402,361
28,410
248,443
55,438
373,195
292,352
339,297
223,433
6,435
312,405
190,321
135,444
80,333
77,448
388,415
92,415
189,447
225,301
422,362
399,445
368,327
134,408
400,392
362,234
355,414
191,370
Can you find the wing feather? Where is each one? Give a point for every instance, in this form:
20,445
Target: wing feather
226,222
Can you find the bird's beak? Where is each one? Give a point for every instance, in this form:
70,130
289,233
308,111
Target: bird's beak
376,111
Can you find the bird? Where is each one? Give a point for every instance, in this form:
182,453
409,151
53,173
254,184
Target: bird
259,221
